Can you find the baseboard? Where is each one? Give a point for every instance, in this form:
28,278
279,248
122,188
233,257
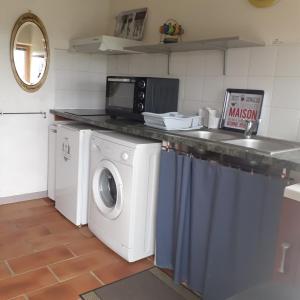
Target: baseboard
23,197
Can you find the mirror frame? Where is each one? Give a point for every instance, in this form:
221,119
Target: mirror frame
29,17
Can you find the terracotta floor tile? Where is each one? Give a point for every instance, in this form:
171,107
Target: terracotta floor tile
4,271
19,212
121,269
7,227
18,298
39,259
75,266
70,289
27,282
38,219
56,239
86,232
42,209
60,226
57,292
23,234
83,283
86,246
26,204
15,249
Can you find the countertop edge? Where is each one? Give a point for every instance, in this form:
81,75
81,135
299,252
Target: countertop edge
289,160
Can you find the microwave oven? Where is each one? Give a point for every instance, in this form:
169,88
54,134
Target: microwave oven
130,96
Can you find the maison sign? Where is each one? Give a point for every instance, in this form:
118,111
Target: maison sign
241,105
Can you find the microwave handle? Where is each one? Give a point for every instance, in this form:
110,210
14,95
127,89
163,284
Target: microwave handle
120,80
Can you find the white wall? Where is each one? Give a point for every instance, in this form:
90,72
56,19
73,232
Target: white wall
23,150
276,70
215,18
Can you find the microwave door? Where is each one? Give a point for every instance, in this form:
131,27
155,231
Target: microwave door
120,94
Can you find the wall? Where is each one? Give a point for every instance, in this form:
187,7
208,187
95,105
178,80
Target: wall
79,80
275,69
215,18
23,151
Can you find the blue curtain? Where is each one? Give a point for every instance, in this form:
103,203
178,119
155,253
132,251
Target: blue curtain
216,226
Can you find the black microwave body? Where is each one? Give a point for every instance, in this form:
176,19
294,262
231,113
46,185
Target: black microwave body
129,97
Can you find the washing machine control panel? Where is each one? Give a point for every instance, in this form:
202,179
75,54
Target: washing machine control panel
113,152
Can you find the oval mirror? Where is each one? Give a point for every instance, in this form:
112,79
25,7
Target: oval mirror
29,52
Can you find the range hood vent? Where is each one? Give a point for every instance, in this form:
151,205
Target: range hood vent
104,43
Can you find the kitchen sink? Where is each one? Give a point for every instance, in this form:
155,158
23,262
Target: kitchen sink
208,135
266,146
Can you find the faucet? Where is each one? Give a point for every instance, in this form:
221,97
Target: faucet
250,127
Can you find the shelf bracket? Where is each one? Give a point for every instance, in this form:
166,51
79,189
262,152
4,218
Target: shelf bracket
169,62
224,60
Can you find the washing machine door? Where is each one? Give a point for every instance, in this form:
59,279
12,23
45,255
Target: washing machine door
107,189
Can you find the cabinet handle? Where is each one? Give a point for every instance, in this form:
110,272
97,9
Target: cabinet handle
285,247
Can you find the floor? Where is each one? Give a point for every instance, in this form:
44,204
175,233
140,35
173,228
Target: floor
44,256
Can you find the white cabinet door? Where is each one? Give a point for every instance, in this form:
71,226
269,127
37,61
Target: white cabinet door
67,168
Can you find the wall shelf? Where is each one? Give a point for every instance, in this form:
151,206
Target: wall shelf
208,44
222,44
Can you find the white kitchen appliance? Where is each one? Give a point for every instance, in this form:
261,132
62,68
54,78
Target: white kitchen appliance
52,130
72,169
123,190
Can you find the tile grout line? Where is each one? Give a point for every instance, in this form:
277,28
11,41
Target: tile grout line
52,272
39,289
9,268
71,251
96,277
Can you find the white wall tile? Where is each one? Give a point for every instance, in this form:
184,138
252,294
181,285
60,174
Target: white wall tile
158,65
195,63
79,80
237,62
286,92
193,90
265,119
288,61
262,83
284,123
298,134
213,89
190,107
238,82
81,62
262,61
112,64
178,63
214,63
143,64
96,82
98,63
123,64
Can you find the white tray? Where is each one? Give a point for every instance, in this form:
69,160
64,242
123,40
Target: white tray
172,121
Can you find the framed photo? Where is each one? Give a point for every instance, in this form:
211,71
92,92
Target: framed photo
240,105
130,24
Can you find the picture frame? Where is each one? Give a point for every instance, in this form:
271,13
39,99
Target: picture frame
130,24
240,105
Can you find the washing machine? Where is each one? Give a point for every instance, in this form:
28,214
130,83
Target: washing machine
123,193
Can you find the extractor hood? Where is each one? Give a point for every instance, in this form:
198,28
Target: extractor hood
103,43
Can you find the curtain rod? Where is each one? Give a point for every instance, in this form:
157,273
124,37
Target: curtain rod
43,113
227,161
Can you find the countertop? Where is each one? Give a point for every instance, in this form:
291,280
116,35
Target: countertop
289,160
